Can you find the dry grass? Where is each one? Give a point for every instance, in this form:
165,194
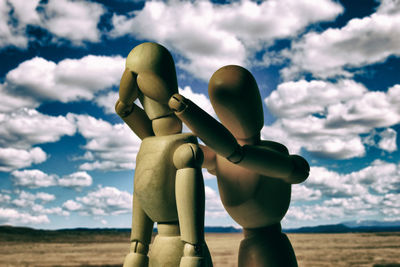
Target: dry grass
311,250
358,249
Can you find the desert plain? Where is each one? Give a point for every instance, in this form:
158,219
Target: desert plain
95,250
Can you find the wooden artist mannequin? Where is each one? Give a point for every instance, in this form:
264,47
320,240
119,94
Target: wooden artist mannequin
254,176
168,184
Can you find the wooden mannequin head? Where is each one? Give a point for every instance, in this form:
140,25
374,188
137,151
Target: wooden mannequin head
156,79
236,100
156,62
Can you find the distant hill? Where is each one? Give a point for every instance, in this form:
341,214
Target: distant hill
334,228
350,227
371,223
26,234
222,229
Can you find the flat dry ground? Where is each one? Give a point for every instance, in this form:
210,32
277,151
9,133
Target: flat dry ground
375,249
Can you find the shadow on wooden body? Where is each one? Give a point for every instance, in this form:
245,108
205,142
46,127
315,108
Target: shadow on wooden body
254,176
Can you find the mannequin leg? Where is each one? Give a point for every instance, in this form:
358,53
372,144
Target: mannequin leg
190,202
266,246
142,228
167,247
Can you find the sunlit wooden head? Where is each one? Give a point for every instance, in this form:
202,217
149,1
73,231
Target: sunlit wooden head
156,77
236,100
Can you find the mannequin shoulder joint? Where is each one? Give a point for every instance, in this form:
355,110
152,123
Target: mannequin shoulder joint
188,155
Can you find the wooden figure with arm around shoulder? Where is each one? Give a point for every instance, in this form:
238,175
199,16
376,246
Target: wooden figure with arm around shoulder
254,176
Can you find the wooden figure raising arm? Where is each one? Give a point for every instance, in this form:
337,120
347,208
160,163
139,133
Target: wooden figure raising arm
254,176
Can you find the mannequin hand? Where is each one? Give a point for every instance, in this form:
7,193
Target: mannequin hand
153,86
177,103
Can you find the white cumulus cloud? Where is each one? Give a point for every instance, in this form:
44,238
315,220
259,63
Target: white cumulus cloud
27,127
199,99
111,146
10,102
28,208
16,217
12,158
104,201
328,118
33,178
37,178
209,36
72,205
361,42
74,21
76,180
65,81
21,130
301,98
214,206
328,196
107,101
26,199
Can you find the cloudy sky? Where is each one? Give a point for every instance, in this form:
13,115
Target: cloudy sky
327,71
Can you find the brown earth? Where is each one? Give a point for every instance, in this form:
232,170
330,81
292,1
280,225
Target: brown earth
353,249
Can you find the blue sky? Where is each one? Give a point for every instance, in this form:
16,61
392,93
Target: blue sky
327,72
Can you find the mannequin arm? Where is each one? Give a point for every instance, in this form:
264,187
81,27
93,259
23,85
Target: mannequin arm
131,114
264,160
137,120
209,162
293,169
208,129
